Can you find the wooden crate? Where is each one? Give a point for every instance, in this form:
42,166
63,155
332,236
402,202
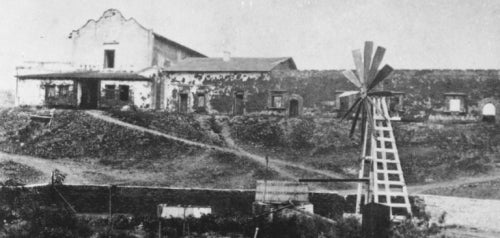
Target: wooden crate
281,192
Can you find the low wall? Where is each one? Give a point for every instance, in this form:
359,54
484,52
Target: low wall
143,200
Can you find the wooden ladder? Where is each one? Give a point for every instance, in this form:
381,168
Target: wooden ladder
382,166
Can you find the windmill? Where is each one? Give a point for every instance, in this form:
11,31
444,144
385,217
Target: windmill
379,156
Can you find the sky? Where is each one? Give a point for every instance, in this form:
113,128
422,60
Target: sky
318,34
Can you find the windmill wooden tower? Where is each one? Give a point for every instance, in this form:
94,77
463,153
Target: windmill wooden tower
379,157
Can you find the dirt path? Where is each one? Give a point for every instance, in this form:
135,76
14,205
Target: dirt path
258,159
46,166
230,142
416,189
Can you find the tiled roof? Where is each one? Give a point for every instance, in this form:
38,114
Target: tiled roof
85,75
234,64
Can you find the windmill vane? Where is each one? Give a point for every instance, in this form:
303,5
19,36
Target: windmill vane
379,142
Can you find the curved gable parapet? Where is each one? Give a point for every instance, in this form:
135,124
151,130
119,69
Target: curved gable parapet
110,14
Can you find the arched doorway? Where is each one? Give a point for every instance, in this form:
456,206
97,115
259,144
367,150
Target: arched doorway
489,112
294,108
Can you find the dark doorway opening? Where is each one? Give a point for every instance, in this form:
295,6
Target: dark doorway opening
183,105
239,103
124,92
90,94
294,108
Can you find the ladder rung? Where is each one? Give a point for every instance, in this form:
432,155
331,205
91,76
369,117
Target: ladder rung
382,128
385,150
403,205
400,183
391,194
386,161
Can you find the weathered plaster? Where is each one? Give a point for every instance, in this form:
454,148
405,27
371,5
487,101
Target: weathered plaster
132,43
219,89
32,92
140,94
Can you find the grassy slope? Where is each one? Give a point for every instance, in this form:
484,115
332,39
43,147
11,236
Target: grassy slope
429,152
108,152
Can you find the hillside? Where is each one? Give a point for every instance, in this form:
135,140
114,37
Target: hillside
100,152
106,153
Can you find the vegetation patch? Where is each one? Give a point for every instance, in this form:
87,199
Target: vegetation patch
10,170
181,125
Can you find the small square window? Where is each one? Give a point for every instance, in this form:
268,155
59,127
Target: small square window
109,91
455,105
63,90
201,100
277,102
50,90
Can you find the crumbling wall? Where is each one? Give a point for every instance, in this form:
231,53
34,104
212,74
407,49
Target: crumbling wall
219,88
33,93
140,94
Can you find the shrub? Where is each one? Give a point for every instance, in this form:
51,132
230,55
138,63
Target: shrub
261,131
300,133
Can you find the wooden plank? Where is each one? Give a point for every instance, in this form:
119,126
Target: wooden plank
358,62
367,60
281,191
377,59
381,75
352,77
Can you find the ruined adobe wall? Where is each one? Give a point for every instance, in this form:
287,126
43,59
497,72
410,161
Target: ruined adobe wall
140,94
424,88
32,92
219,89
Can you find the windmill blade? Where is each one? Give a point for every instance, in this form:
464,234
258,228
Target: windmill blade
352,107
352,77
381,75
355,121
377,59
367,59
358,61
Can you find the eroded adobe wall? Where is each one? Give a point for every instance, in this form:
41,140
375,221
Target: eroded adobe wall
423,89
32,92
140,94
219,88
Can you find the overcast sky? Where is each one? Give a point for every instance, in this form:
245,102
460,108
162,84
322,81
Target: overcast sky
318,34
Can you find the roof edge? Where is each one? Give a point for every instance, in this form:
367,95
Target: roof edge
163,38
